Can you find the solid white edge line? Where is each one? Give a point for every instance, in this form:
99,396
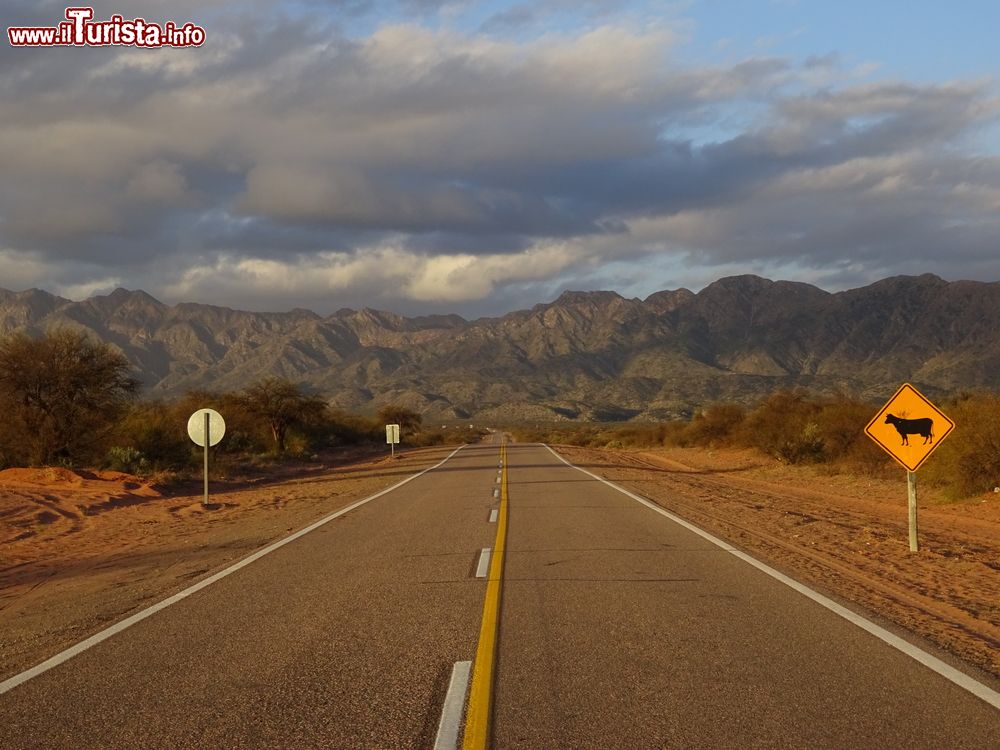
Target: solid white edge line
454,703
493,515
944,669
484,562
128,622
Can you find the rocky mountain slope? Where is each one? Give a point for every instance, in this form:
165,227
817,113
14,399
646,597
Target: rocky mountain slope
587,355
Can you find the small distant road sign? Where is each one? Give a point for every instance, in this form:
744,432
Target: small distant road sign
392,437
909,427
215,425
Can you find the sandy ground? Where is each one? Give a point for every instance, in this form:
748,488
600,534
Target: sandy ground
79,551
845,535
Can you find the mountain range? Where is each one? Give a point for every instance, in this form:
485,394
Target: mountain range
586,355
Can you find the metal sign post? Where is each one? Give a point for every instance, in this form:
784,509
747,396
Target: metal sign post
206,428
208,440
911,501
909,414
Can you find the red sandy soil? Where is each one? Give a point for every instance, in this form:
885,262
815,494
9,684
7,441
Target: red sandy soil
80,550
844,535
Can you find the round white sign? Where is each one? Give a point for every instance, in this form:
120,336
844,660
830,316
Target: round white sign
216,427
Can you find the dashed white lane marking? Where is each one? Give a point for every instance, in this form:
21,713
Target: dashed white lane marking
496,493
947,671
498,480
493,515
45,666
454,702
484,563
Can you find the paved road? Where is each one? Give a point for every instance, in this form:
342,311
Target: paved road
344,638
618,629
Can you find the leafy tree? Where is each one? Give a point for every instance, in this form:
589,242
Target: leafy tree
282,404
408,420
62,393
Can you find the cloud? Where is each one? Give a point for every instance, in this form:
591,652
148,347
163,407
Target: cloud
423,164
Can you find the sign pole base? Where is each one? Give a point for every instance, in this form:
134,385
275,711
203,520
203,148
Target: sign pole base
911,495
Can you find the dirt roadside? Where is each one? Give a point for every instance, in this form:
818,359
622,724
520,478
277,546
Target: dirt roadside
844,535
81,550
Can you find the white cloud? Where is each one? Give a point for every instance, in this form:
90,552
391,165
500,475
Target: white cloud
434,166
383,270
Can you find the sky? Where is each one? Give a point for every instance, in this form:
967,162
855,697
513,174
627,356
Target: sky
436,156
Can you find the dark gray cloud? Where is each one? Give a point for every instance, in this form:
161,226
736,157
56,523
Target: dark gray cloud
287,161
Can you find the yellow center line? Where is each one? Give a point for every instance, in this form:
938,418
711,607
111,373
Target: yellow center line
477,717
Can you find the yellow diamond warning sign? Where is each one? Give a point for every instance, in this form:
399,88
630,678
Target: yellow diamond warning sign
909,427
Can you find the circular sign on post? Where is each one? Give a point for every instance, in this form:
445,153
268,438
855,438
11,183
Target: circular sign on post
216,427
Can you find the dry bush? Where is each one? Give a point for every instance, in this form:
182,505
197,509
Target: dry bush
713,426
864,457
61,395
674,433
157,431
841,422
968,462
638,436
799,427
785,425
428,437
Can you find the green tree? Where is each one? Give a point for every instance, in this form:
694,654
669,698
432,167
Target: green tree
282,404
62,393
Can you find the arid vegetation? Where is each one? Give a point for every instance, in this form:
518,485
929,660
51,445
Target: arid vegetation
71,401
797,427
60,395
272,420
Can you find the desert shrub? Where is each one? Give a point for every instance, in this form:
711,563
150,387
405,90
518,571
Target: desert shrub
638,435
408,420
968,462
426,438
866,458
785,426
127,459
841,422
337,428
158,431
297,445
714,425
241,441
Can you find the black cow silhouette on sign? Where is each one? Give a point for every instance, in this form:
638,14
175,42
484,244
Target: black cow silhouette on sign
923,427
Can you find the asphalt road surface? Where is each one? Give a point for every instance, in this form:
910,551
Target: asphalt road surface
618,629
